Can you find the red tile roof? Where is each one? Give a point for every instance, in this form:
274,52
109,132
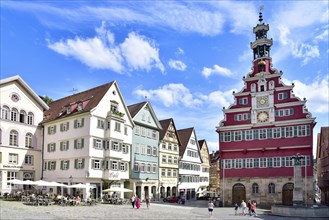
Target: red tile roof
90,99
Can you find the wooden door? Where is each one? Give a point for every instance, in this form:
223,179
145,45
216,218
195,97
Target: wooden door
287,194
238,193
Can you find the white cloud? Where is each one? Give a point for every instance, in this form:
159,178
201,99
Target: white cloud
140,53
216,70
180,51
316,93
177,64
323,36
91,51
100,52
220,98
296,32
171,94
305,51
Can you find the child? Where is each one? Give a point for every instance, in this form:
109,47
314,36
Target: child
236,207
210,208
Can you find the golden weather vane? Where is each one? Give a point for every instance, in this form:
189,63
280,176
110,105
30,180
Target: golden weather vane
261,8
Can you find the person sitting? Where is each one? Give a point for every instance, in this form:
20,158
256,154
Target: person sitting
77,200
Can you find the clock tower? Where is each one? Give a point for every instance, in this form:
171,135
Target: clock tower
261,131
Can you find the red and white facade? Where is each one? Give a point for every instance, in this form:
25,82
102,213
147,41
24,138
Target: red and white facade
261,131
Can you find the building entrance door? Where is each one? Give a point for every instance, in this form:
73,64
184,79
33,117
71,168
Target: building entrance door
238,193
287,193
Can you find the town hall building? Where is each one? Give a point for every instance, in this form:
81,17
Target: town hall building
261,133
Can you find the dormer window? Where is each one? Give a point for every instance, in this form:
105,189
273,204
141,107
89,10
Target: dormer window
80,106
68,110
114,106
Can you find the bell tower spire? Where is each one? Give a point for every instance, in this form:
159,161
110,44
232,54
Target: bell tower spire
262,45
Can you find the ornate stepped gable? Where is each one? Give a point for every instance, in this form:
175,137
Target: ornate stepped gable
264,99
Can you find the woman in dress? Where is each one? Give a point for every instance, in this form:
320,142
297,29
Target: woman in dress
138,202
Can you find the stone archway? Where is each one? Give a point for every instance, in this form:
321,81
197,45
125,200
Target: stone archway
287,194
238,193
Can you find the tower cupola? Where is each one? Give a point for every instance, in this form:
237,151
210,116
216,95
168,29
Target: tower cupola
262,45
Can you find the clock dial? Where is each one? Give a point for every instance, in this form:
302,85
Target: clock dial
262,116
262,101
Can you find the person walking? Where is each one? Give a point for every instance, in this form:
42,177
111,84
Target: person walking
210,208
133,198
243,207
236,207
253,209
138,202
147,201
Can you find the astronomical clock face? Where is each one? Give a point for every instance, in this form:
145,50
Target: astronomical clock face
262,116
262,101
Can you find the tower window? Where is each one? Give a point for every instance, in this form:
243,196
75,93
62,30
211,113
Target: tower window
262,88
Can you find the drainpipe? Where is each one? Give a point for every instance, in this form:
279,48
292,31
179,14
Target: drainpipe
42,150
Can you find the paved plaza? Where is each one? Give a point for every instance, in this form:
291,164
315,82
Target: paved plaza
198,210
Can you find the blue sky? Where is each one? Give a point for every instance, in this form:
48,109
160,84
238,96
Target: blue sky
186,57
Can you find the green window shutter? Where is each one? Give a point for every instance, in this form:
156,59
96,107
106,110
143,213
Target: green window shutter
48,148
62,164
49,130
120,146
83,163
61,146
104,144
75,144
221,135
94,143
295,131
269,133
45,166
68,164
82,142
67,125
54,146
48,165
54,129
283,132
102,164
61,127
243,134
55,165
67,145
276,113
255,134
82,122
76,164
75,123
291,111
308,130
235,117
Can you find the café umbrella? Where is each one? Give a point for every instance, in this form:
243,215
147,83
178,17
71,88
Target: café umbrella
81,186
117,189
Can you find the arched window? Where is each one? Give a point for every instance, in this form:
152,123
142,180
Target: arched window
14,114
13,138
255,188
22,116
253,87
271,85
5,112
262,85
271,188
30,118
28,140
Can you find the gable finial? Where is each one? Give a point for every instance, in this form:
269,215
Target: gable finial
261,8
